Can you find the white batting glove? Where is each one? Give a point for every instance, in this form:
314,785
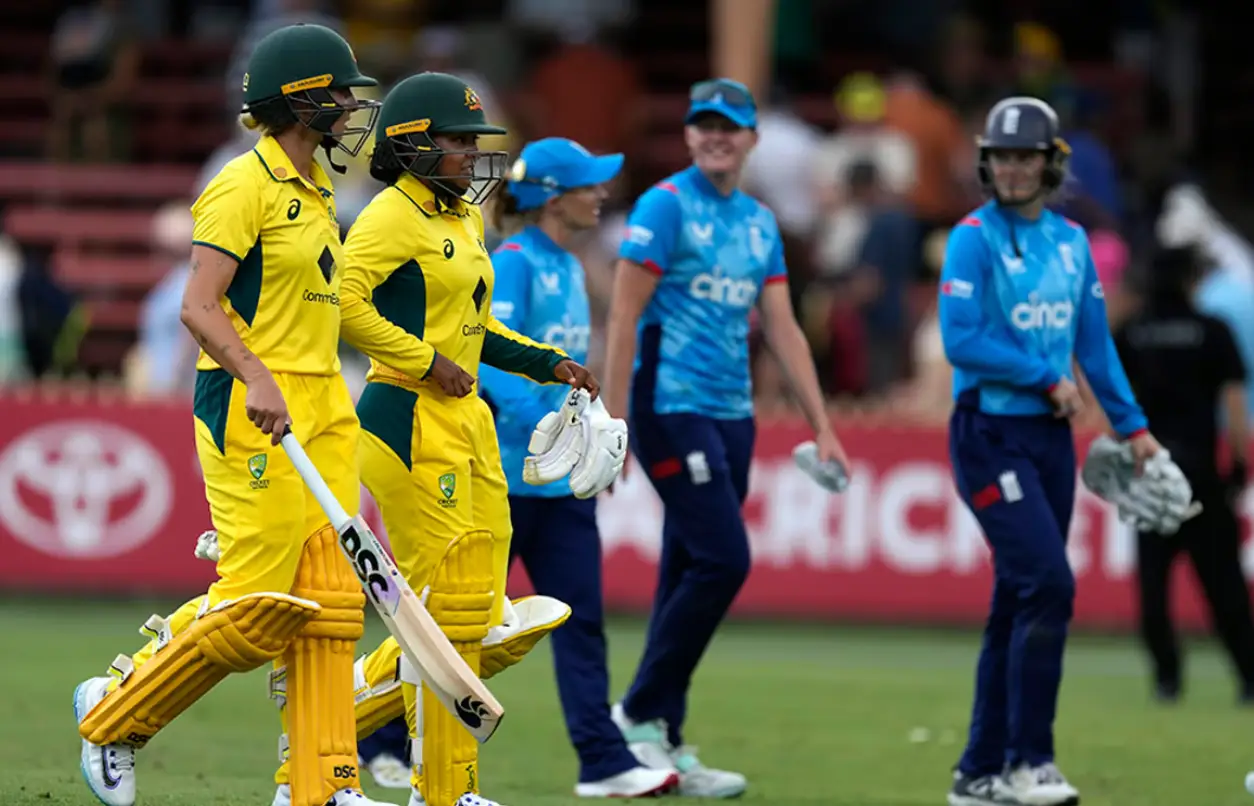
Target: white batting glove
557,441
207,546
580,440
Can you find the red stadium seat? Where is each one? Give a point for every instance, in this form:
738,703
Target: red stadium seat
55,226
86,271
43,181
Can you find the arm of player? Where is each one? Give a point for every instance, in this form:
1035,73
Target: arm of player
511,307
974,341
786,340
651,236
373,254
1098,356
516,354
227,225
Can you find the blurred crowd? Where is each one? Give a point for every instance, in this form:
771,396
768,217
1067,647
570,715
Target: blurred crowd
865,191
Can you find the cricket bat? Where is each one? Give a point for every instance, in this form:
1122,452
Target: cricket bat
442,669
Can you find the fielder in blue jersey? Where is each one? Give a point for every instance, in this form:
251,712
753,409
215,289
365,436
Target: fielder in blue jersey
1019,301
556,189
698,255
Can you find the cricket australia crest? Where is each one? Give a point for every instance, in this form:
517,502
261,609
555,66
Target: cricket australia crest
448,487
257,469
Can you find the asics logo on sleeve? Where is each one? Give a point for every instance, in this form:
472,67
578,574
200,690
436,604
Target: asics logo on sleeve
724,290
1036,315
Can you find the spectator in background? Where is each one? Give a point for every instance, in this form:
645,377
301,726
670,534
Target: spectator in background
1039,69
586,91
91,70
963,69
13,369
570,20
941,193
163,361
382,33
1226,292
782,162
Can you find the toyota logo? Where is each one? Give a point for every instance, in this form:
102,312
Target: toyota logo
83,489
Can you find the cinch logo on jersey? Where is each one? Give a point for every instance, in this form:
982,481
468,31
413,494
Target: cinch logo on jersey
724,290
1036,315
473,330
567,338
321,298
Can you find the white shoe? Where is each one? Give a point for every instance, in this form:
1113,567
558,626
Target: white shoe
648,743
638,782
345,797
468,799
1043,785
389,771
108,769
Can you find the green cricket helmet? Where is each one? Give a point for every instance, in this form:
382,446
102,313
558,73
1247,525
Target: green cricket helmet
291,73
418,109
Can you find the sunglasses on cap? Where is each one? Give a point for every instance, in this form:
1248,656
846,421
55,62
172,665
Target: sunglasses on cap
718,89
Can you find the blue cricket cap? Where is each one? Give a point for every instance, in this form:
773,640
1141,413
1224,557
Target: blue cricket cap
725,97
548,168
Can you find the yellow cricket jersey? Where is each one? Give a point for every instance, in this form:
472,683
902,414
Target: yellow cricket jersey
418,280
284,300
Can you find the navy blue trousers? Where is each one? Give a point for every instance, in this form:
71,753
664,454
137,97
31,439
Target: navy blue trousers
1018,476
558,543
699,467
392,738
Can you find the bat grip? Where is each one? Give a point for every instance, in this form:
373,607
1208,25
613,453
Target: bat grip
313,480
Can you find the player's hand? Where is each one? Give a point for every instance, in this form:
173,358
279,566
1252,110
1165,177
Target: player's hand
455,381
830,449
1066,399
1143,447
577,376
266,408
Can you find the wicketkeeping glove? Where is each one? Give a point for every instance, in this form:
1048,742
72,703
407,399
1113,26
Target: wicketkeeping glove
831,476
579,440
1158,500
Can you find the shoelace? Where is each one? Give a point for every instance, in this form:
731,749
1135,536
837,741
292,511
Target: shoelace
121,759
1049,774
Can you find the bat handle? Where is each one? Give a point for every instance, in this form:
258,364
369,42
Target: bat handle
313,480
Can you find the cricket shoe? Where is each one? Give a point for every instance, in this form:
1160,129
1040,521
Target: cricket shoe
985,790
389,771
638,782
648,743
108,769
468,799
1043,785
345,797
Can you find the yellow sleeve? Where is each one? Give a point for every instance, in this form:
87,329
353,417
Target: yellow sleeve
513,352
374,249
228,215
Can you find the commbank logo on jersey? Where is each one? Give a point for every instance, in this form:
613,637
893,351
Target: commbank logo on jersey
326,264
1035,314
724,290
481,291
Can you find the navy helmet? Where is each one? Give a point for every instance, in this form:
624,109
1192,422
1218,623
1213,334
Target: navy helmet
1023,123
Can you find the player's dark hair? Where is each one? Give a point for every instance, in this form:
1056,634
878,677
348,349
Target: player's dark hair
273,116
504,209
384,165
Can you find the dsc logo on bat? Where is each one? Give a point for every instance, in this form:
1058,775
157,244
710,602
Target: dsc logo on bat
369,568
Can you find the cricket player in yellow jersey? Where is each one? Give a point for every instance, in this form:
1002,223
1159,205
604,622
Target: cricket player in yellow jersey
263,302
417,299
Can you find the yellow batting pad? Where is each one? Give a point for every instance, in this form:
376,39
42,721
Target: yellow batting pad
322,736
377,688
238,635
460,601
527,621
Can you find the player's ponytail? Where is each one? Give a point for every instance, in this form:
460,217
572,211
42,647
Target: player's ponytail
505,212
272,116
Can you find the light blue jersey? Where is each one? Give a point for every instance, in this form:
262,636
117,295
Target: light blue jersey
712,254
1228,295
539,293
1012,320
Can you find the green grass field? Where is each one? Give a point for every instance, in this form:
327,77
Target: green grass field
813,715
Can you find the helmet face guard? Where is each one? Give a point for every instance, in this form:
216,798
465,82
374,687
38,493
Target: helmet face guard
419,156
317,109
